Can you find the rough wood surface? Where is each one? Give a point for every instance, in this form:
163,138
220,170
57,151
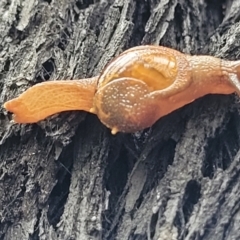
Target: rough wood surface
67,177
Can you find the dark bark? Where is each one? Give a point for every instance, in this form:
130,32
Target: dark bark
67,177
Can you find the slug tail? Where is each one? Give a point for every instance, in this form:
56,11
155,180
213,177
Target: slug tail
48,98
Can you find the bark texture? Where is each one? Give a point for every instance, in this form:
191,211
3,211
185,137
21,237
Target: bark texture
67,177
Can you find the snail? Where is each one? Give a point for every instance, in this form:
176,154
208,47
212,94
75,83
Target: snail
134,90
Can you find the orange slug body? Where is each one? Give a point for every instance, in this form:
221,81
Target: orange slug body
134,90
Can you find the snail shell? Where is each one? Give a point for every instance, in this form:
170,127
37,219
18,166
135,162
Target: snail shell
129,88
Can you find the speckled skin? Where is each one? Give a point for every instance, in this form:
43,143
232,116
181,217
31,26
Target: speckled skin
127,99
134,90
161,80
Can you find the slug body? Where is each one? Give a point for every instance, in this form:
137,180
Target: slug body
134,90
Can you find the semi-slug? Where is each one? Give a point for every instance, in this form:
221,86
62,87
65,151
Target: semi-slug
134,90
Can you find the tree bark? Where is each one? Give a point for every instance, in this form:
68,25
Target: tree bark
67,177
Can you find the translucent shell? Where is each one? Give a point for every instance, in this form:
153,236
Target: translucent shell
127,98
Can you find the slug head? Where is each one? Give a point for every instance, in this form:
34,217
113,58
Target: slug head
125,105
